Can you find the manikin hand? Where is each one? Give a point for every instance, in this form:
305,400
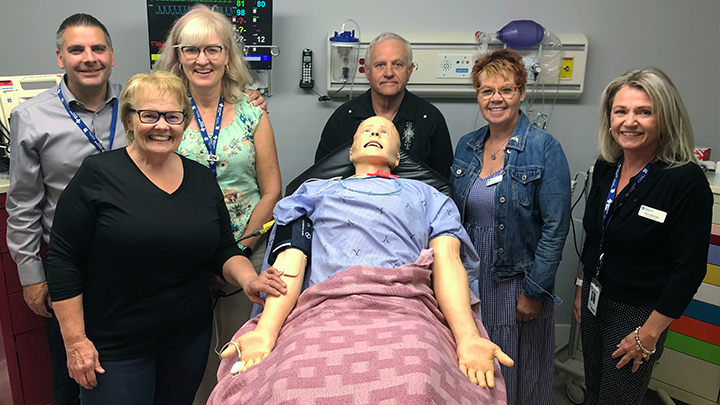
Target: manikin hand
269,282
254,347
83,362
256,99
476,356
527,308
37,298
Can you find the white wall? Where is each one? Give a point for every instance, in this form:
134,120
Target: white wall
682,38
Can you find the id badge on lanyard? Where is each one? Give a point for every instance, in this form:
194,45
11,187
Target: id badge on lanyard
595,286
210,144
594,297
85,130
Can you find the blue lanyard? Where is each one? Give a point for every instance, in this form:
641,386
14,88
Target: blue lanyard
607,215
88,133
210,145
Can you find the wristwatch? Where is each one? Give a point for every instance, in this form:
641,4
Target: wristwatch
578,281
246,250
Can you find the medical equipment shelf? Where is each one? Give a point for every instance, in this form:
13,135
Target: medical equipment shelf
25,366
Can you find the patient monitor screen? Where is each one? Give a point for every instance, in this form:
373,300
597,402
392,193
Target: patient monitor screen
252,20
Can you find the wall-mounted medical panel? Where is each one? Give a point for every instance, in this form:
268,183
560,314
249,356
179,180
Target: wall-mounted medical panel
444,61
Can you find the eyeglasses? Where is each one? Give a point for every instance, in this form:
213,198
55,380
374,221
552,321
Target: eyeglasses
152,116
507,91
212,52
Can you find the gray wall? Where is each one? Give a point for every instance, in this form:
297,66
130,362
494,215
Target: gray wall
682,38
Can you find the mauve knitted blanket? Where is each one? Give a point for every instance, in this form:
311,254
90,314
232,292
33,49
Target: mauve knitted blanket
367,335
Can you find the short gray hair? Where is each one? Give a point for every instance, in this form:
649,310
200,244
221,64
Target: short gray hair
384,37
675,134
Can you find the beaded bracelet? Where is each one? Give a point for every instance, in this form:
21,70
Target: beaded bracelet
639,346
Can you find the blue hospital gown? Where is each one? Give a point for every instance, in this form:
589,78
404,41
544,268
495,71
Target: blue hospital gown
353,227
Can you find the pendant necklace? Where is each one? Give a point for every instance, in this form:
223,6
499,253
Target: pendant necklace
493,155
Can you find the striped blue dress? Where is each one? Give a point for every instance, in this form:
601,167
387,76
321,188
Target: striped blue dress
531,344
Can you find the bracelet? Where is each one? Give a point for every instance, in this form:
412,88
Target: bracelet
578,281
639,346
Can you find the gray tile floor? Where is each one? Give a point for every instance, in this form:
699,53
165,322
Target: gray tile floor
560,398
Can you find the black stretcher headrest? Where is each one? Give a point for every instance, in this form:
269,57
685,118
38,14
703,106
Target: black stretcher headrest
337,163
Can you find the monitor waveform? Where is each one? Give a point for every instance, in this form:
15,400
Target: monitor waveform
179,10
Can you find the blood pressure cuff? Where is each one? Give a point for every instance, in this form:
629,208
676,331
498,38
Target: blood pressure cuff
296,235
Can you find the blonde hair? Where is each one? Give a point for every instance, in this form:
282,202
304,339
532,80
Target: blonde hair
164,83
675,134
193,29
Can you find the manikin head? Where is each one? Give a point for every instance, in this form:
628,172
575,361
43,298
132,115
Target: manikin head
376,146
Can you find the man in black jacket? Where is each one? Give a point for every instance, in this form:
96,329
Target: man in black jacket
423,131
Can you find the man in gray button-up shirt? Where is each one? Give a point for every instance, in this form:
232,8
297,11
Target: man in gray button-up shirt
47,148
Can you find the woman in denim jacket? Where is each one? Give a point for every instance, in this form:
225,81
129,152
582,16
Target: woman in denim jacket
513,190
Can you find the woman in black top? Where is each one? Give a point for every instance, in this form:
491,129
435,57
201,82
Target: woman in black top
133,232
647,220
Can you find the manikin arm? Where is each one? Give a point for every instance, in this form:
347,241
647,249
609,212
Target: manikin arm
450,282
255,345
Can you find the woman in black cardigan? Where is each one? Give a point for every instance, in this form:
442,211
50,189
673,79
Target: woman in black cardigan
647,220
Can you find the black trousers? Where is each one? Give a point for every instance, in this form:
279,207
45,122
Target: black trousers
66,391
169,376
606,385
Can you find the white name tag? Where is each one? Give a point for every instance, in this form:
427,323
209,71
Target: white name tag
594,297
494,180
652,213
